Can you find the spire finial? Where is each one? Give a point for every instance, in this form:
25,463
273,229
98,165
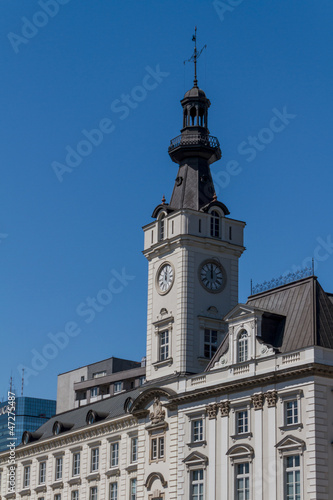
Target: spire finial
195,56
214,197
163,200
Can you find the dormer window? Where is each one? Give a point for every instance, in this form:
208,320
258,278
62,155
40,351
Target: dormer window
242,346
215,224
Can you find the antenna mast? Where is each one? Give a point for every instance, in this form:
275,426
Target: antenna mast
22,382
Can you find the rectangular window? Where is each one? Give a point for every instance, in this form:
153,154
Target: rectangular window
58,468
42,473
197,485
118,386
113,491
242,422
133,489
76,464
164,345
291,412
199,225
292,478
99,374
142,380
134,449
230,233
57,497
242,481
197,430
93,493
210,344
26,477
114,454
94,459
157,448
75,495
93,392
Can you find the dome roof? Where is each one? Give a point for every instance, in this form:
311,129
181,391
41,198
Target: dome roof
195,92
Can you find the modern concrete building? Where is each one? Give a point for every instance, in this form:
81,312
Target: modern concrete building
98,381
238,399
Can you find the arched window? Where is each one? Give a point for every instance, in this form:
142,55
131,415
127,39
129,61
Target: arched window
215,224
162,227
242,347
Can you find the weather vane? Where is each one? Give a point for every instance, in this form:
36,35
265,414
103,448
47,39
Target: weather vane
195,56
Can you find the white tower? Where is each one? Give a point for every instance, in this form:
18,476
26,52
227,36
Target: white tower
193,251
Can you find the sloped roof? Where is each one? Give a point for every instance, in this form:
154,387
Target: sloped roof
308,311
297,315
113,406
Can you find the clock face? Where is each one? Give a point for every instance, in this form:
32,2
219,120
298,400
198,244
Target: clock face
212,276
164,278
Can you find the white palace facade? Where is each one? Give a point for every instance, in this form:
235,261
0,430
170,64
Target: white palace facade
237,402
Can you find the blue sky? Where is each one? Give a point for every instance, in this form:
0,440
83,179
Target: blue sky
62,242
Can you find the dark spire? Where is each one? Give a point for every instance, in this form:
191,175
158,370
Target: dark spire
194,150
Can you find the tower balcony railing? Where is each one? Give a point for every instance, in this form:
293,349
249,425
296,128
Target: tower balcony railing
194,139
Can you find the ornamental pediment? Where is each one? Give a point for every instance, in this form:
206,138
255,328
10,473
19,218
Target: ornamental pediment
290,442
239,312
195,458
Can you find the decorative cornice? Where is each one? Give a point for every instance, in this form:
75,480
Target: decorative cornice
224,388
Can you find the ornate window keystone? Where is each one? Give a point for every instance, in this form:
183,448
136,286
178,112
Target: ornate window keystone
224,408
271,398
258,401
212,410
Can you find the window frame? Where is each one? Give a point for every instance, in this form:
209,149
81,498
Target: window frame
288,397
134,449
133,491
245,423
75,495
93,493
42,472
59,462
292,469
113,484
116,458
242,476
94,459
197,482
243,346
215,224
26,476
76,464
164,347
116,386
211,346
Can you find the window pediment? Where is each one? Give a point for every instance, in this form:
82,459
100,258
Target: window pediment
290,443
241,451
196,459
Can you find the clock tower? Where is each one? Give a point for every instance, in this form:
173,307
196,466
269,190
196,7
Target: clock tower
193,249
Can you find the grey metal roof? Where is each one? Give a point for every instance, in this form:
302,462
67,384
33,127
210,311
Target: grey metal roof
113,406
297,315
